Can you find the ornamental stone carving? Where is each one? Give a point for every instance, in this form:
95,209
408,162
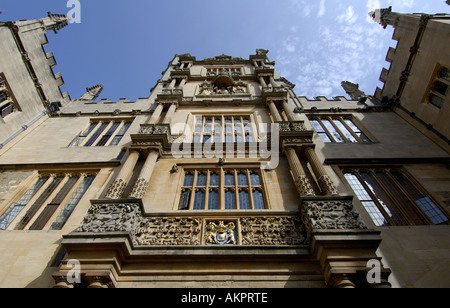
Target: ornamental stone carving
332,215
193,231
169,231
116,189
103,218
273,231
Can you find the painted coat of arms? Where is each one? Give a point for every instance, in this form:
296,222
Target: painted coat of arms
221,234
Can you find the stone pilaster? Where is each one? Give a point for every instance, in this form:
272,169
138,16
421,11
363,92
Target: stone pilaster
301,181
324,180
141,185
118,186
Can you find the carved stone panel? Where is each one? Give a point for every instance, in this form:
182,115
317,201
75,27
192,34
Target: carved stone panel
194,231
273,231
332,215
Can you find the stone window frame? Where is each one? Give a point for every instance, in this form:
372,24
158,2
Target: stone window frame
340,128
250,187
10,100
46,200
97,126
434,96
388,202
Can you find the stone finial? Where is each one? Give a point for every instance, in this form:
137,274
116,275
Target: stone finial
92,93
384,17
55,22
352,90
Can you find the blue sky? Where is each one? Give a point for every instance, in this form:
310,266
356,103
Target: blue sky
126,45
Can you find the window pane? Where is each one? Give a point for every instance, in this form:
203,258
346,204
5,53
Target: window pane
120,134
184,200
108,134
96,134
325,138
317,127
229,179
38,203
15,209
254,177
401,198
258,200
214,179
213,200
201,179
436,100
72,203
337,137
230,201
345,131
242,179
366,200
188,180
244,201
440,87
444,73
199,201
385,201
425,203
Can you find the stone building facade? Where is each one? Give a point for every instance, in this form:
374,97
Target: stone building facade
224,176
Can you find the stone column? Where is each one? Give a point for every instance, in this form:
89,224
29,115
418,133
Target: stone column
172,83
119,184
262,81
341,281
182,83
141,185
170,113
289,113
274,111
301,181
324,180
273,82
156,114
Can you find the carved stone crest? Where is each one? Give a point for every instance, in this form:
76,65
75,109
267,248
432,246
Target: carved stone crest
221,233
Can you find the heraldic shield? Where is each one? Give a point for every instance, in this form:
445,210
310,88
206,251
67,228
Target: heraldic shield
221,234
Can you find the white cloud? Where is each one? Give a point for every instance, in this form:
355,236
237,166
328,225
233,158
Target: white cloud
322,8
348,16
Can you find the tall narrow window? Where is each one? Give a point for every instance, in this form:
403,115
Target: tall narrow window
105,133
223,129
391,198
8,103
15,209
222,189
332,129
438,87
55,196
51,207
69,207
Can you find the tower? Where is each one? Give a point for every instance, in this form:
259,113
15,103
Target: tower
29,88
417,82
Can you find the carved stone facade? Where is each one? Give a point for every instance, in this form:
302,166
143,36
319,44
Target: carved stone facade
193,231
332,215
